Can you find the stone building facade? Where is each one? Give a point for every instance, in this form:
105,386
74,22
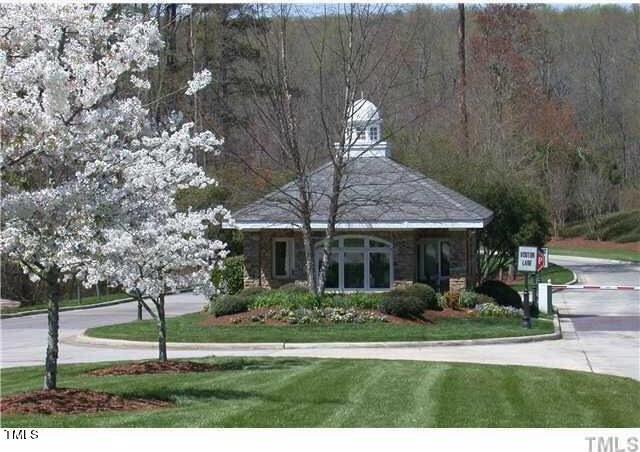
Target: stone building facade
259,269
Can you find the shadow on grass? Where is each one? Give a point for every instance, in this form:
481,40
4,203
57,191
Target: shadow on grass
198,394
262,364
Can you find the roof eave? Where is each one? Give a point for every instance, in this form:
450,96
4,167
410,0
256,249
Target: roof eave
359,225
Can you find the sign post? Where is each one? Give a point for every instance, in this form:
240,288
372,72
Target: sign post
527,260
541,262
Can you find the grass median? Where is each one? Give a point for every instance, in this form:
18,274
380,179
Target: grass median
193,328
269,392
71,302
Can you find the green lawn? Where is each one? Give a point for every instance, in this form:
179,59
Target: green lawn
69,302
268,392
190,328
557,274
621,255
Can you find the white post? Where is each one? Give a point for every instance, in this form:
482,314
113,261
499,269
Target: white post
542,297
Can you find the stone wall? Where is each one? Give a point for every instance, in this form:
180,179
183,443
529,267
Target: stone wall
258,247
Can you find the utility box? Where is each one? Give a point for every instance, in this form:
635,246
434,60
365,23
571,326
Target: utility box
545,303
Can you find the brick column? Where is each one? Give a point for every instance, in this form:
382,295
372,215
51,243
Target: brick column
404,258
251,259
458,261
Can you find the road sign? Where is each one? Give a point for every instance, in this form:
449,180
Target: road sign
539,260
545,251
527,258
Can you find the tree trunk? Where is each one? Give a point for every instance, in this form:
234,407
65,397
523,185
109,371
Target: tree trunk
308,254
331,222
462,75
162,330
53,325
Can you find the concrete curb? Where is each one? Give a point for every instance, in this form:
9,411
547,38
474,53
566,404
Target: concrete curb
67,308
83,339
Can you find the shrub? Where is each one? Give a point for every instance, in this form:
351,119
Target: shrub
357,300
494,310
469,299
451,299
285,299
424,292
402,305
252,292
228,304
230,278
293,288
503,294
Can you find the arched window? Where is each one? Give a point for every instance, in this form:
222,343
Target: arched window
358,263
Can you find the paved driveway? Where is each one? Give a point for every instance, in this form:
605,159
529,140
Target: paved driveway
601,332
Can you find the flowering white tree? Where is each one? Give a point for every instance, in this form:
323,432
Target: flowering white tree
152,248
74,147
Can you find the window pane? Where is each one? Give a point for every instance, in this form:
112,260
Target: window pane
354,270
431,261
280,258
354,243
376,244
444,259
332,280
379,274
373,133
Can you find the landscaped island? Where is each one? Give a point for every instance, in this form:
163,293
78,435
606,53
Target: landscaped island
291,314
343,393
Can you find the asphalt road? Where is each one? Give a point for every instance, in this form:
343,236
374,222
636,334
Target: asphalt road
24,339
601,332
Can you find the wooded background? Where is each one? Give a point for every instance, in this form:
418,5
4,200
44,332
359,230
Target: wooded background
550,98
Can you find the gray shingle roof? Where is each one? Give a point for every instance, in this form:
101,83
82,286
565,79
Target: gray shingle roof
377,190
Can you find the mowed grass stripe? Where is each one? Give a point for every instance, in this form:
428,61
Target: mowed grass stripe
291,392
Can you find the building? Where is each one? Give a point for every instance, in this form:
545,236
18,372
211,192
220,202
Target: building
395,225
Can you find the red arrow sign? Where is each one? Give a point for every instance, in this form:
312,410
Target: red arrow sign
539,260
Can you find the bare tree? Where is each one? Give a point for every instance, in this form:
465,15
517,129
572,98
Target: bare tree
462,80
307,121
593,195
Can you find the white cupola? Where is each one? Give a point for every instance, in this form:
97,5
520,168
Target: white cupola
363,133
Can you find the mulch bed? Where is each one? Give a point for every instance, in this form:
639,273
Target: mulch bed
245,317
154,367
74,401
579,242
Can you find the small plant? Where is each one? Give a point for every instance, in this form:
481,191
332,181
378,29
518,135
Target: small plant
469,299
319,315
494,310
228,304
451,299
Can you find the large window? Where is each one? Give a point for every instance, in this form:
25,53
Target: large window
358,263
433,263
282,258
